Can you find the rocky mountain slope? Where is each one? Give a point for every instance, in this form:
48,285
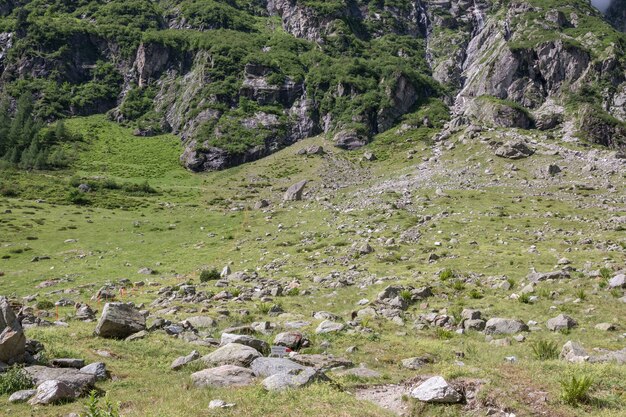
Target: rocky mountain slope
239,80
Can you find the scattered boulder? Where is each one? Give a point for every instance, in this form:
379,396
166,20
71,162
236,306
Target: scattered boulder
201,322
561,322
573,352
618,281
349,140
79,381
12,338
294,378
53,391
505,326
181,361
416,362
436,390
270,366
294,193
84,313
328,326
260,345
606,327
292,340
552,169
223,376
22,396
322,362
120,320
97,369
515,149
232,354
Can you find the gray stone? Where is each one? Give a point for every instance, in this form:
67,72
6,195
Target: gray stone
292,340
504,326
322,362
573,352
184,360
294,193
436,390
12,339
606,327
201,322
120,320
68,363
22,396
53,391
97,369
561,322
258,344
514,150
270,366
294,378
223,376
232,354
328,326
618,281
416,362
137,336
79,381
349,139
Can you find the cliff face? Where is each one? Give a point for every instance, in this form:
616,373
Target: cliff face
262,75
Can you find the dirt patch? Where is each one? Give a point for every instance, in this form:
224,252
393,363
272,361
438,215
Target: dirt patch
388,397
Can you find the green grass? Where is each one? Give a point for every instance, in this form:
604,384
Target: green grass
199,222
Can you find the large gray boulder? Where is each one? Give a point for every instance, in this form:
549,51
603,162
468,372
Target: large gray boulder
120,320
294,193
232,354
349,139
514,149
328,326
436,390
12,339
292,340
294,378
561,322
53,391
97,369
79,382
505,326
258,344
271,366
223,376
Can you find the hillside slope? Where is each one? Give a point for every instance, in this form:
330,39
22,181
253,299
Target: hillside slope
239,80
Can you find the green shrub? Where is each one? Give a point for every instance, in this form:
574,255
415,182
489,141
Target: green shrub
406,295
544,350
443,334
209,275
13,380
293,291
264,308
44,305
446,274
575,390
94,409
524,298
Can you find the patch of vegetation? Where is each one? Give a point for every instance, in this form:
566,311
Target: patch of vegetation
13,380
209,275
575,389
544,350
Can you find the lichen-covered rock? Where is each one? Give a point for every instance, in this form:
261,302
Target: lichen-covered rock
120,320
12,338
232,354
223,376
436,390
